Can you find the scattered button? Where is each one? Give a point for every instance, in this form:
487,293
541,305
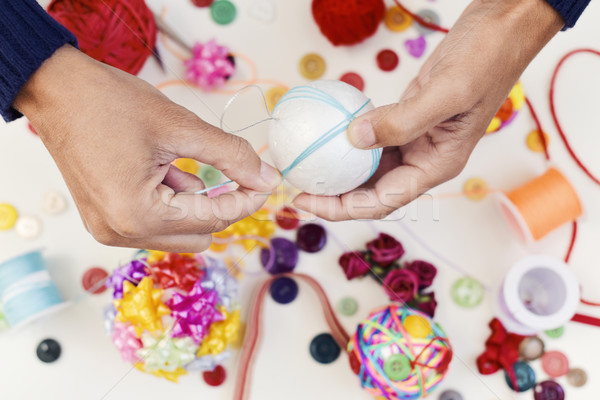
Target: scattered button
416,47
28,227
94,279
273,95
353,79
525,377
417,326
286,256
397,20
287,218
284,290
429,16
548,390
450,395
48,351
494,125
387,60
531,348
576,377
263,10
209,175
475,189
215,377
397,367
8,216
347,306
311,238
555,364
467,292
534,142
202,3
187,165
556,332
324,349
53,202
223,12
312,66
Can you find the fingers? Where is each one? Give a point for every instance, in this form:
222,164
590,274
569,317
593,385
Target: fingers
175,243
181,181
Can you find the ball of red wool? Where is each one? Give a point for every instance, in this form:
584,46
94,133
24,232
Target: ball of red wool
347,22
121,33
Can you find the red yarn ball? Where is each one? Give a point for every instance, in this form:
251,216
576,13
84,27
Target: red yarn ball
121,33
346,22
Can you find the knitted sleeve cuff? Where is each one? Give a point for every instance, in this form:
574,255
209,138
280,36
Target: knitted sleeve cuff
569,10
28,36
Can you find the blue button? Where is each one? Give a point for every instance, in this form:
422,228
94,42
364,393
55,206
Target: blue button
324,349
311,238
284,290
285,253
525,377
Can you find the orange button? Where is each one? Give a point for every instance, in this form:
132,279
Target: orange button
312,66
397,20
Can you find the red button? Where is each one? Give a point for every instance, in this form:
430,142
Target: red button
555,364
94,279
287,218
354,79
387,60
202,3
216,377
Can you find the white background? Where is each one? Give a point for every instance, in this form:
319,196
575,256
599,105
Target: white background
472,234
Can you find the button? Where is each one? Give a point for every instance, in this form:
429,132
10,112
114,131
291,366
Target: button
284,290
311,238
353,79
209,175
286,256
429,16
287,218
576,377
548,390
8,216
347,306
475,189
312,66
494,125
450,395
53,202
263,10
94,279
324,349
555,364
416,47
222,12
397,20
417,326
467,292
187,165
525,377
28,227
556,332
48,351
215,377
531,348
534,142
273,95
202,3
397,367
387,60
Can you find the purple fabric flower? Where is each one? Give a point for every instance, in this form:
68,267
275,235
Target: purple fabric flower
209,66
385,250
354,264
133,272
401,285
424,270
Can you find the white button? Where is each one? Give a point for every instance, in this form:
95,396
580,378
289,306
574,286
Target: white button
28,227
53,202
263,10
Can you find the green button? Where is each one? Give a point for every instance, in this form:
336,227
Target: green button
347,306
556,332
397,367
223,12
209,175
467,292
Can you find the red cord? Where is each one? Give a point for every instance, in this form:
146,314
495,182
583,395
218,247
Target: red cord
420,20
586,319
539,127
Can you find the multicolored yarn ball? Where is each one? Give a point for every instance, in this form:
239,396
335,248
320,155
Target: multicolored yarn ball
121,33
210,66
509,109
347,22
399,353
173,313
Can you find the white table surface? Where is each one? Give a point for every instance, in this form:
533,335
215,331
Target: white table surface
471,234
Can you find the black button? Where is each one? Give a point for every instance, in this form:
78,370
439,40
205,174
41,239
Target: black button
48,351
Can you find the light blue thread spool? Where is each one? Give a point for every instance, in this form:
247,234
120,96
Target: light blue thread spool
26,289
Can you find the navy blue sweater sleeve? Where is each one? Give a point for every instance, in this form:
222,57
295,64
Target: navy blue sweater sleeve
569,10
28,36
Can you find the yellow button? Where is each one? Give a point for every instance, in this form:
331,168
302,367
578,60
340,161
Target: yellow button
273,95
534,141
494,125
312,66
475,189
417,326
517,96
187,165
8,216
397,20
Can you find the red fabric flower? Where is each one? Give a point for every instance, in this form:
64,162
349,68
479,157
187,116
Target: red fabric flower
354,264
385,250
424,270
401,285
425,303
176,270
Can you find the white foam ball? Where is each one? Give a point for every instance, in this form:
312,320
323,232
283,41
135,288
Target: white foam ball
299,120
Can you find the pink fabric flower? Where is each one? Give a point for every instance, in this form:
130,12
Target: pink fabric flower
126,341
424,270
401,285
354,264
209,66
385,250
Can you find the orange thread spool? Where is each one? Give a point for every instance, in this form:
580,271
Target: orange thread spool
541,205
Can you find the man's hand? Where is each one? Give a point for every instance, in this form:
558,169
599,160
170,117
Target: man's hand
114,136
430,133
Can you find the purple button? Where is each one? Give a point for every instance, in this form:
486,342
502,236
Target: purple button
284,290
285,256
311,238
548,390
